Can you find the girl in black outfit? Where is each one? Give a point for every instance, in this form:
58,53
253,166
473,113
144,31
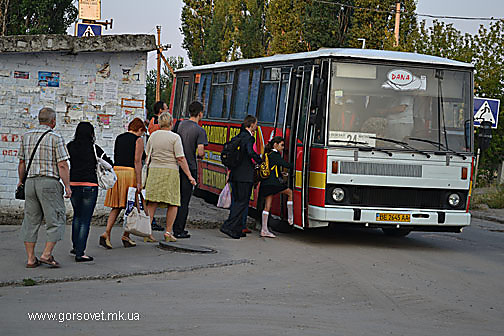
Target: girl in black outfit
273,184
84,184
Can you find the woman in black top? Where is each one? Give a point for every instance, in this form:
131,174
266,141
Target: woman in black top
128,152
273,184
84,185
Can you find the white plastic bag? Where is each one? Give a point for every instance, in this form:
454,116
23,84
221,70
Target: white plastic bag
138,221
225,197
104,172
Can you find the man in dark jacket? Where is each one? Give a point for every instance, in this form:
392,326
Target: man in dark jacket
242,179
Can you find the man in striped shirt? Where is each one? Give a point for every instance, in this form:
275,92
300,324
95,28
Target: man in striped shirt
43,190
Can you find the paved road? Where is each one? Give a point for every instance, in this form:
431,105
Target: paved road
346,282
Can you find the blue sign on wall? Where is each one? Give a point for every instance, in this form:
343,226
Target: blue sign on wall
86,29
486,109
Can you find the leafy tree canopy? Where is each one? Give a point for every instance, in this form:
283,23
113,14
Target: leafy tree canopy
29,17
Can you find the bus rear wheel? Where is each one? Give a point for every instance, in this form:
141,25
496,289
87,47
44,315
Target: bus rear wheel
393,232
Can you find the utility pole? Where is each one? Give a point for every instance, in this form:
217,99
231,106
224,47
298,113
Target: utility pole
160,48
397,21
158,78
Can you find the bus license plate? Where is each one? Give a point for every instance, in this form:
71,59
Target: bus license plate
393,217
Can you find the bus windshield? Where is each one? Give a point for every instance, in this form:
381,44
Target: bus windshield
378,105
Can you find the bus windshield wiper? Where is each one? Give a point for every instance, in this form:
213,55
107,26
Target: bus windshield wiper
440,145
403,144
364,149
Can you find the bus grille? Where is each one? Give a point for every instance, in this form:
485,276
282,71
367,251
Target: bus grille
380,169
393,197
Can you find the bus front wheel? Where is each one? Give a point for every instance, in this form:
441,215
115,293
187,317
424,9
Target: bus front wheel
393,232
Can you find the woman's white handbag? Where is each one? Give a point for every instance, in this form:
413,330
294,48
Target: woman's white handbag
138,222
104,172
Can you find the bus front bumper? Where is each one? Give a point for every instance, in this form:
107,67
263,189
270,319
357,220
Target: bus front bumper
419,219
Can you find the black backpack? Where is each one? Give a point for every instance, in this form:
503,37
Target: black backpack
231,153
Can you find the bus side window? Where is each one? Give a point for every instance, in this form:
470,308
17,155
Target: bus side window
247,91
181,96
222,86
304,107
283,97
202,90
269,93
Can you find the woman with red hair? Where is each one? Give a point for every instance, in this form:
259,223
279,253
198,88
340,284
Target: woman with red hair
128,152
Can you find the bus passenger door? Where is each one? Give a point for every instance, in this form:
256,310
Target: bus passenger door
301,139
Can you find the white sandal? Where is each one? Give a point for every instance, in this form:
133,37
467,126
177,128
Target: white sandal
267,234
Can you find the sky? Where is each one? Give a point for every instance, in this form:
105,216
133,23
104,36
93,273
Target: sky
142,17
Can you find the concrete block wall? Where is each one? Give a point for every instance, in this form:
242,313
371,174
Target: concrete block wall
92,86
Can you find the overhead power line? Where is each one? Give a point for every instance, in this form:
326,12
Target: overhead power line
424,15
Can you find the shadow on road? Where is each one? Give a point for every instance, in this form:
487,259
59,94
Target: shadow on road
365,237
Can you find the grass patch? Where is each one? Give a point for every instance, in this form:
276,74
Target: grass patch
493,197
29,282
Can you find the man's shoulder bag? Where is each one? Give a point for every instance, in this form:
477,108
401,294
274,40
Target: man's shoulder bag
20,190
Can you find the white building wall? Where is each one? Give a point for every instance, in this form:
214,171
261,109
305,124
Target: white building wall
87,90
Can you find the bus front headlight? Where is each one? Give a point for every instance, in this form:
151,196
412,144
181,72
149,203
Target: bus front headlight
454,200
338,194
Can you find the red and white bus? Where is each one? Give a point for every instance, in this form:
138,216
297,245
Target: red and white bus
377,138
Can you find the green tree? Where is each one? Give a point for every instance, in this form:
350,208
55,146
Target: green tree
28,17
252,36
325,24
374,21
489,82
166,83
284,20
197,17
443,40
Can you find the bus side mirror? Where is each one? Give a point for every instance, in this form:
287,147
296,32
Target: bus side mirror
485,135
467,133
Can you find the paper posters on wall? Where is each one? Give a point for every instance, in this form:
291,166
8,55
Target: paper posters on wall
50,79
104,119
34,110
91,89
110,91
107,134
61,107
24,100
132,103
74,100
80,90
138,73
102,73
111,110
126,75
47,94
21,75
75,112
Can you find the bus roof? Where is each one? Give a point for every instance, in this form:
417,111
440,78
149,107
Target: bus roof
368,54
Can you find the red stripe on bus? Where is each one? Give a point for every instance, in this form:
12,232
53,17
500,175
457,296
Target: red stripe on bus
318,160
316,197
